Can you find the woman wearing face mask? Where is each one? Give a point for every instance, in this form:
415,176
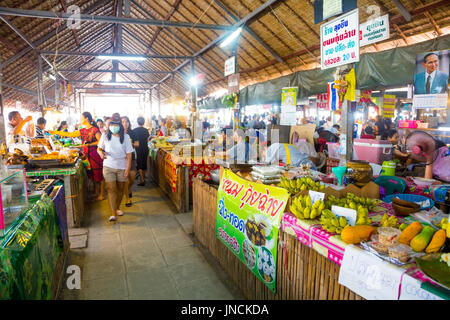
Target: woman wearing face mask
90,136
116,150
132,175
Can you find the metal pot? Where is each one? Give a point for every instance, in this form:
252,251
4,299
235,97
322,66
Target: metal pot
215,175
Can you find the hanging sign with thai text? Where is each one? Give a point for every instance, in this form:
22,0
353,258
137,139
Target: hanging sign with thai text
339,40
374,30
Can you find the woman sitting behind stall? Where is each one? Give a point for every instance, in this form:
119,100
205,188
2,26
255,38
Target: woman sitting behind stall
392,136
163,129
132,174
116,150
368,133
90,136
63,126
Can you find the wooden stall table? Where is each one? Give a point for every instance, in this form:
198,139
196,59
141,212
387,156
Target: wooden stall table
175,176
75,189
309,259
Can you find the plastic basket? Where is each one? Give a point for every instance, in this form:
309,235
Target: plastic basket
391,184
333,150
410,197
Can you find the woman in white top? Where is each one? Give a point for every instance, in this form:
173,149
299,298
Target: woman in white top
116,150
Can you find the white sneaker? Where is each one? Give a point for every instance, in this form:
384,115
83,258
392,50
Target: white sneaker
112,218
119,213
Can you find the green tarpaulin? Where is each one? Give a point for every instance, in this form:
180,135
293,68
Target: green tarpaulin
388,68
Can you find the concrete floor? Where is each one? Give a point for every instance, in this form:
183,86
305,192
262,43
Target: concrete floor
148,254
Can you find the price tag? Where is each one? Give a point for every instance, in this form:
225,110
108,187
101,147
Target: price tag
349,214
369,276
315,196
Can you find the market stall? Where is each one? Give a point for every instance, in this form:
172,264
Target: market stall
74,178
44,159
175,173
32,253
315,259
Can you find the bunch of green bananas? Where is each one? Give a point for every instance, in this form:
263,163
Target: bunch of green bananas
295,186
363,216
303,208
331,223
351,202
387,221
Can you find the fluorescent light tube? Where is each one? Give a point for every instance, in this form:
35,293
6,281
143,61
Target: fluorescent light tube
132,58
231,37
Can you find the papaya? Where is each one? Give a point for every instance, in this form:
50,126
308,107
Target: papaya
410,232
421,241
437,242
356,234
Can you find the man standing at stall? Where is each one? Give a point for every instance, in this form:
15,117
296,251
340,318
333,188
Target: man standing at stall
15,127
40,128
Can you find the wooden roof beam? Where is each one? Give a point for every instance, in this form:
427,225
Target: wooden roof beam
24,38
419,10
175,36
166,18
430,17
250,17
74,32
11,46
49,35
400,32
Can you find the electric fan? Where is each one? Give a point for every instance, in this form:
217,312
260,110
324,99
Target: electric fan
422,146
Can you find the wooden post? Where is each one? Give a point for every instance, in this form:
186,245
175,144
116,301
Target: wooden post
347,129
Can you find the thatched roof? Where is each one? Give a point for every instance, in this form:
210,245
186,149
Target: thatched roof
279,40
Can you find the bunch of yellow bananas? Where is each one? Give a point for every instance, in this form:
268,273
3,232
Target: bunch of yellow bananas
387,221
303,208
331,223
295,186
362,216
445,225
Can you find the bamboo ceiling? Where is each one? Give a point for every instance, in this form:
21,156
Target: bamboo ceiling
284,30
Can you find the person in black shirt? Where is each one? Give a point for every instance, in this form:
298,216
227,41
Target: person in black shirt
142,136
40,127
132,173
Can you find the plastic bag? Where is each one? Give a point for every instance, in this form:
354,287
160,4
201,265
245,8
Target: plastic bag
306,147
441,165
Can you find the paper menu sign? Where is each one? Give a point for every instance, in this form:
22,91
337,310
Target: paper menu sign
411,290
369,276
315,196
349,214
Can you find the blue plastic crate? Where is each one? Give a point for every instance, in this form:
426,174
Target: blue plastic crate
410,197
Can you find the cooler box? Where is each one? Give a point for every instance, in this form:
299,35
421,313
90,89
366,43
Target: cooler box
371,150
